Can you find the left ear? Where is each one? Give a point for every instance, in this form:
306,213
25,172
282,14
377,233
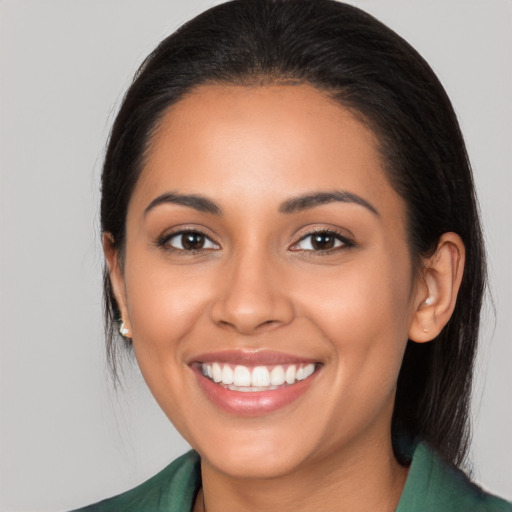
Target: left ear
436,294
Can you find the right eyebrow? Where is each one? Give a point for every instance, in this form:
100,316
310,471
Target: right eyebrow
197,202
308,201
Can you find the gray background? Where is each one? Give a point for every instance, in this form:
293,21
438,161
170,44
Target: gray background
66,438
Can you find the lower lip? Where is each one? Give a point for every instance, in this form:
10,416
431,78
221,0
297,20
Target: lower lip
253,403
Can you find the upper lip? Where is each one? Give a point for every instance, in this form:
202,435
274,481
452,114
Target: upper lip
250,358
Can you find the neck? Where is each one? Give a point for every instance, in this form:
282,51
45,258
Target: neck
355,479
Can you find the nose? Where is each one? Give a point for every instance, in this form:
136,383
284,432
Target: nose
251,296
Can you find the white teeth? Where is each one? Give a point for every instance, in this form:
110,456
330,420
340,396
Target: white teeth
250,389
217,372
227,375
305,372
242,376
309,370
277,376
260,377
290,374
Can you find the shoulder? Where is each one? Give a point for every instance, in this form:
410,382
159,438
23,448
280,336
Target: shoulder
173,489
434,485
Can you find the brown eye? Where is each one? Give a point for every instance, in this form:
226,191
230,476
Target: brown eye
190,241
322,241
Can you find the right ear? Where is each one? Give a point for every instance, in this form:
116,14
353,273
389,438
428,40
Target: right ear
116,278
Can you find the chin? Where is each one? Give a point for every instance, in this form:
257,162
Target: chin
255,462
265,449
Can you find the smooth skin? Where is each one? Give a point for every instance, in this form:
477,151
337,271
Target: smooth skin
256,278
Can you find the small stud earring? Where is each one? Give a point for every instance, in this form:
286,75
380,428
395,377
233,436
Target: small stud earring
123,330
429,300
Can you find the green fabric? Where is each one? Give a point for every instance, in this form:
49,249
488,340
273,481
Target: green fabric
172,490
432,486
435,486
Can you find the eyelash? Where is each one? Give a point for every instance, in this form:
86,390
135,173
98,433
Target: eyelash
345,243
164,241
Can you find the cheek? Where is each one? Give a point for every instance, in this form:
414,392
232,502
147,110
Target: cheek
165,303
367,290
363,309
162,296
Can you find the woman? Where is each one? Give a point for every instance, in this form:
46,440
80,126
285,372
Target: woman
294,254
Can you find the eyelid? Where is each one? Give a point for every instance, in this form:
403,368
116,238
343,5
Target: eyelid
163,240
339,235
346,242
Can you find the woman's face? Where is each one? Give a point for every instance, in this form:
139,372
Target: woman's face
266,248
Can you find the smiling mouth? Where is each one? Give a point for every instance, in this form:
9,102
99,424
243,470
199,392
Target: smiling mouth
256,378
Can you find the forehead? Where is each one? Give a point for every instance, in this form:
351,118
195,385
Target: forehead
233,141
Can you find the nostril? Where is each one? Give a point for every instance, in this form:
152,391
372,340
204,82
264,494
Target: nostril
268,323
248,326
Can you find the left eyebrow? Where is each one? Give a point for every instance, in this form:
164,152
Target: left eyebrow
197,202
307,201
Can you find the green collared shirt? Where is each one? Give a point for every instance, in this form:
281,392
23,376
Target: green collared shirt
431,486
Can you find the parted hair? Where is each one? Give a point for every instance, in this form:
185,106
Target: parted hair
369,69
